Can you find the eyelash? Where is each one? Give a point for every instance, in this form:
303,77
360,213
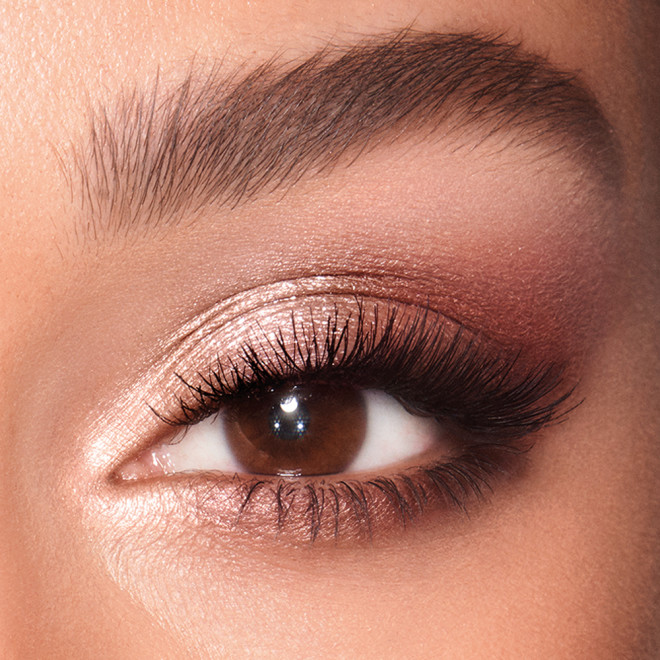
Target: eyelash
433,366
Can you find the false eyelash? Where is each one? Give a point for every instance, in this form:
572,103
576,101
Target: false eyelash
433,367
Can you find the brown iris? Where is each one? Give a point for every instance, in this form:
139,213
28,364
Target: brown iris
301,430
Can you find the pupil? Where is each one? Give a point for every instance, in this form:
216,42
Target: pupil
289,419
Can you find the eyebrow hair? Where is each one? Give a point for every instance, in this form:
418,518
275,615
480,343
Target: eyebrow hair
152,157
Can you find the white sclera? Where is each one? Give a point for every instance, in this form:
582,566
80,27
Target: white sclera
202,447
393,435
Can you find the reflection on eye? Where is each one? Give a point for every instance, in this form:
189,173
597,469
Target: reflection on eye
317,429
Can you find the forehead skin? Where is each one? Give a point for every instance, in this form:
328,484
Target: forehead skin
583,581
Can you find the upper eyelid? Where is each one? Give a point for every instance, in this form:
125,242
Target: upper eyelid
213,331
199,341
350,285
272,362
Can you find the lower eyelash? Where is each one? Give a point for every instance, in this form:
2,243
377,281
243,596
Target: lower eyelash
322,509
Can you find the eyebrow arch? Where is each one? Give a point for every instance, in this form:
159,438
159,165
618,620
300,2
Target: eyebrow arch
151,157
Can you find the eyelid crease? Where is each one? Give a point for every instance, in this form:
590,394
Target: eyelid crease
352,285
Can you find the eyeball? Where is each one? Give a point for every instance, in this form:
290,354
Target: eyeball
302,430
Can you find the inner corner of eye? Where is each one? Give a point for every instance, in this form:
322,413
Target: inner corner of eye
300,430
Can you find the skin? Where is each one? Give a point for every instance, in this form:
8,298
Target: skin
560,561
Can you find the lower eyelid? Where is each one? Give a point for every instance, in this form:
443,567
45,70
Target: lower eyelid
312,510
342,507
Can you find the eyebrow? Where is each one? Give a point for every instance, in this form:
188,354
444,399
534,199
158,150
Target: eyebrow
151,157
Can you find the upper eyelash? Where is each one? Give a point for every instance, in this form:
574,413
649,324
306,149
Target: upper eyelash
448,374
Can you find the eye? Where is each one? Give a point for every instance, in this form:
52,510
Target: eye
301,430
320,423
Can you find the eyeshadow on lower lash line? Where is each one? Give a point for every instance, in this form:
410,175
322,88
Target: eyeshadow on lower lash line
352,509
